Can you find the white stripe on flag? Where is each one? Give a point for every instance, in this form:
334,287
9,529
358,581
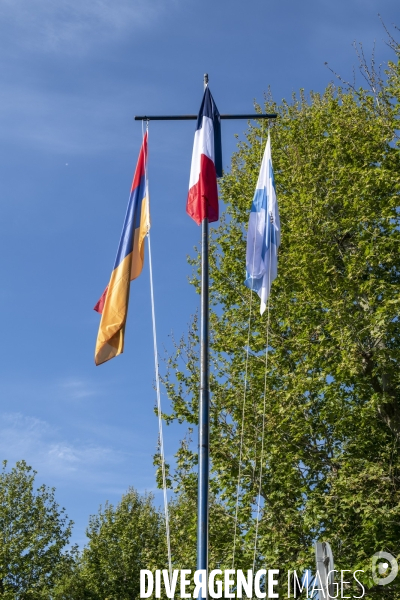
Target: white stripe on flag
203,144
263,235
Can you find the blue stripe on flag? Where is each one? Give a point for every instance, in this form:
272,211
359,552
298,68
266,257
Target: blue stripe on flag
209,109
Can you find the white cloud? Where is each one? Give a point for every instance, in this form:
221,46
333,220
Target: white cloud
62,390
63,123
78,388
74,26
41,445
75,123
46,109
72,458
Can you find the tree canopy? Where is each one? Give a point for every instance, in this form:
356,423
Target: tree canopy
323,415
122,540
34,535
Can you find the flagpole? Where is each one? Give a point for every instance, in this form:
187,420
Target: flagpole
204,404
204,395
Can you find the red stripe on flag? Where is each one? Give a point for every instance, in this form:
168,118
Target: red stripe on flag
202,200
100,304
141,164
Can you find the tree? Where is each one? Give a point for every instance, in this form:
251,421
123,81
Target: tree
122,540
34,534
72,583
324,423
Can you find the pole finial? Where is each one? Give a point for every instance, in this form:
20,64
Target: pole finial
205,80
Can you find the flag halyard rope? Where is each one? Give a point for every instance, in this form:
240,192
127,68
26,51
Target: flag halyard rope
244,393
264,404
157,376
242,431
263,419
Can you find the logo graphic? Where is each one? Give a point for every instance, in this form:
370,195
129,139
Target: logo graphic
384,563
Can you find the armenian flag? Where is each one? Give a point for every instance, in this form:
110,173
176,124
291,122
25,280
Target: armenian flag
202,200
113,304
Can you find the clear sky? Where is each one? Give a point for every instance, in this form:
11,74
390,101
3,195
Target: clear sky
73,75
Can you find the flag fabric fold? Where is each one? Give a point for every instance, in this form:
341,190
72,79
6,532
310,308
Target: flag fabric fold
113,304
263,235
202,200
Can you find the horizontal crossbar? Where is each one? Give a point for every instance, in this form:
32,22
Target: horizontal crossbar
194,117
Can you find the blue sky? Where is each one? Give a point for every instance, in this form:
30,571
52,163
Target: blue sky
73,75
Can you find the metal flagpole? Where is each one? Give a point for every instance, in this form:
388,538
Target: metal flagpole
204,400
204,404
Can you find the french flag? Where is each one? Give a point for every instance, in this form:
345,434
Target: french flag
202,200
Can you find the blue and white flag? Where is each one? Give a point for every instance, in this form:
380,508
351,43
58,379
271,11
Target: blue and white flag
264,233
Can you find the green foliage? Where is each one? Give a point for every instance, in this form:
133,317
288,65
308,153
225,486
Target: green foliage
72,583
331,409
183,530
131,536
34,533
122,540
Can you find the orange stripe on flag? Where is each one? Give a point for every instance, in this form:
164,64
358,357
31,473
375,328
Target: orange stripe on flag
110,339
